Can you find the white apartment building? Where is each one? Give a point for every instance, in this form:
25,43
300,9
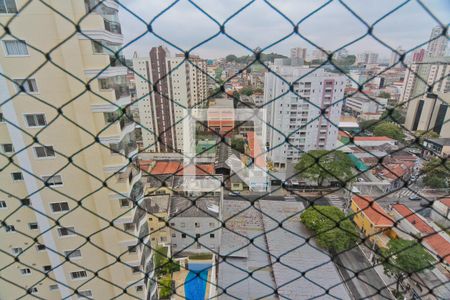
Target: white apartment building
299,119
438,45
181,85
66,200
298,55
395,57
360,104
367,58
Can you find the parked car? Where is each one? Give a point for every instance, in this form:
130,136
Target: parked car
234,194
415,197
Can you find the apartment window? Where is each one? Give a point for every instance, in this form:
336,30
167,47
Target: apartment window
15,48
25,271
73,253
35,120
53,287
211,235
9,228
2,120
7,148
3,204
40,247
136,269
47,268
139,288
55,180
132,249
85,293
17,250
59,206
33,290
26,85
125,203
78,274
66,231
183,235
33,226
128,226
44,151
8,7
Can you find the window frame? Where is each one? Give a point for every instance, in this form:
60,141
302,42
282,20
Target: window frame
68,253
3,148
10,13
33,224
18,90
85,296
3,204
70,231
26,273
54,185
45,150
21,174
34,114
5,49
59,203
81,277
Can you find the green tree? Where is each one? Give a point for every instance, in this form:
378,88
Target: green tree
164,265
368,125
384,94
320,165
393,115
437,173
426,135
246,90
403,257
238,144
165,287
334,231
390,130
231,58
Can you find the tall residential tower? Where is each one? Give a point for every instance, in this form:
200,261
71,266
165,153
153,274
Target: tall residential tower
166,87
68,182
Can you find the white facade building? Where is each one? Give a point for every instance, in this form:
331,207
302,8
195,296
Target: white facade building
181,85
299,119
438,45
361,104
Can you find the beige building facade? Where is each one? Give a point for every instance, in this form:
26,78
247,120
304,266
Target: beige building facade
70,229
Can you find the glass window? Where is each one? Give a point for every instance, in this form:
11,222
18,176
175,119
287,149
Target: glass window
8,7
17,176
44,151
55,180
15,47
35,120
59,206
28,85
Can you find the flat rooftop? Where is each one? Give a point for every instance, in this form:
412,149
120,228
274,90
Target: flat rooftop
200,206
253,241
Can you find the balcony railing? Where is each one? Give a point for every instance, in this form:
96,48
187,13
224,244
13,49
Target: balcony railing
121,91
113,27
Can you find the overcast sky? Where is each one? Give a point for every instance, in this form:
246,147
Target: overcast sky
259,25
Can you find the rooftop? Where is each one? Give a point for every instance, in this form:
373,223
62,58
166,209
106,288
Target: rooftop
373,211
372,138
440,141
269,242
200,206
436,241
157,204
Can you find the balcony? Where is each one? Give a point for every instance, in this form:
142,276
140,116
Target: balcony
116,61
113,27
121,91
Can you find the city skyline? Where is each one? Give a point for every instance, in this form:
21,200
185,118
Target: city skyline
249,27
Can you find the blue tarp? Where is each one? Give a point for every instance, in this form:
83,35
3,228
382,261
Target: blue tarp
358,163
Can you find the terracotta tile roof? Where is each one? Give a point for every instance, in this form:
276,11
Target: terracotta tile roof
255,150
166,168
373,211
372,138
437,242
445,201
